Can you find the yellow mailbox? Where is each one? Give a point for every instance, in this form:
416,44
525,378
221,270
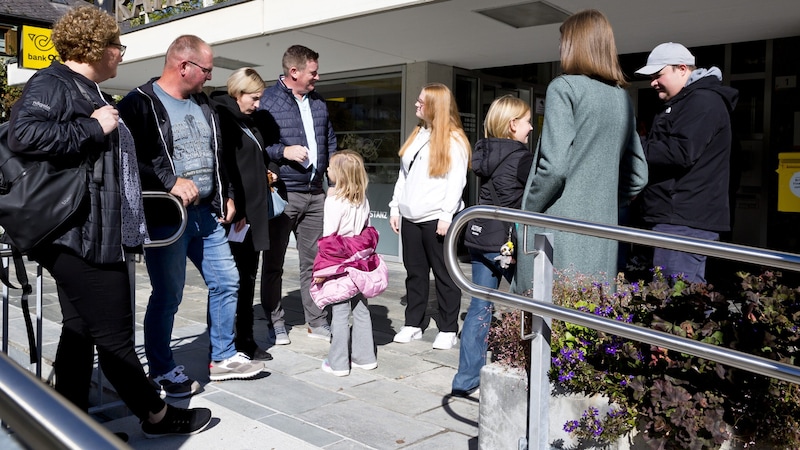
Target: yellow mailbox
789,182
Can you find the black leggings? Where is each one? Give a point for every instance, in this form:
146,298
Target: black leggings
96,309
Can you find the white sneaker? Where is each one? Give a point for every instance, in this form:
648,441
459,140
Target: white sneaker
445,340
281,336
339,373
237,367
408,334
368,366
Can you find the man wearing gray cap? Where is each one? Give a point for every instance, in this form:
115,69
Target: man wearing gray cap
688,153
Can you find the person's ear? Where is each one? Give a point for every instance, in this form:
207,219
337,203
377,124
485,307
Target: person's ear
512,125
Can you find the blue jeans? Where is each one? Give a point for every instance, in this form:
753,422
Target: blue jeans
475,331
673,262
204,242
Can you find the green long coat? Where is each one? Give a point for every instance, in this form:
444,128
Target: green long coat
588,161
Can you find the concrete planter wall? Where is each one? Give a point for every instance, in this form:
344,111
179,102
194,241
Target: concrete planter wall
503,412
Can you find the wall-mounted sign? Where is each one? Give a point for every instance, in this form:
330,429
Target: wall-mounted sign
36,49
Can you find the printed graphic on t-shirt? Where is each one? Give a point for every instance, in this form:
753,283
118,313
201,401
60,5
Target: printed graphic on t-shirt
193,156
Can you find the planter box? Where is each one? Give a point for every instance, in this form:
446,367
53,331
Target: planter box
503,411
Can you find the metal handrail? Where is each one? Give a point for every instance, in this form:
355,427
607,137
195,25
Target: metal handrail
722,355
181,210
40,417
43,419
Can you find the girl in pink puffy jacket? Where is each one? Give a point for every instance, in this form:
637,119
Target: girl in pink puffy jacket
347,270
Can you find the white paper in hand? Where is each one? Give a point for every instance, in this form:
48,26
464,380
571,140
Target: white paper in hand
238,236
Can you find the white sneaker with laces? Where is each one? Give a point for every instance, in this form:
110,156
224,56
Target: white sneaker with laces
445,340
408,334
237,367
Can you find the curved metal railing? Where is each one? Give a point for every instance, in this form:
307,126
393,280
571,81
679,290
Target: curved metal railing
742,253
36,414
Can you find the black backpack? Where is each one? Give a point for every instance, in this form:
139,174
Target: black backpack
14,253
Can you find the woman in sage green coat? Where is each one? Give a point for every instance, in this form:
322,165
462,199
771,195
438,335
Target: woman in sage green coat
589,160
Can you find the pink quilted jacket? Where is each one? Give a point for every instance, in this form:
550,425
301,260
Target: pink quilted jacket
349,266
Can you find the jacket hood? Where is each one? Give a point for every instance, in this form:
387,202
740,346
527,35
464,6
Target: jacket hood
491,152
220,100
709,79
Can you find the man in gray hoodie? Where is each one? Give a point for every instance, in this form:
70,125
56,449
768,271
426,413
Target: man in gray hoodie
688,154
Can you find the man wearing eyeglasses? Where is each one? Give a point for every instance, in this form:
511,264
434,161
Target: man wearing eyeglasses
303,144
688,153
178,145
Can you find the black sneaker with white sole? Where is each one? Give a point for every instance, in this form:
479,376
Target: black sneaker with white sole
178,422
175,383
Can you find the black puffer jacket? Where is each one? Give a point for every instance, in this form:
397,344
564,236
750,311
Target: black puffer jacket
688,155
53,117
286,128
149,123
505,164
245,165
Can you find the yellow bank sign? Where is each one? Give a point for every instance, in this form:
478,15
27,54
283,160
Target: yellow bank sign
36,49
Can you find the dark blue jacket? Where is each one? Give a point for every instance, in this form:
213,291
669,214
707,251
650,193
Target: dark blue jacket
286,129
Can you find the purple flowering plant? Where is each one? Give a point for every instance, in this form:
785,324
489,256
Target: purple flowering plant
673,400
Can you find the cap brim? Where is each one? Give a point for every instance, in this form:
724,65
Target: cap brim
650,70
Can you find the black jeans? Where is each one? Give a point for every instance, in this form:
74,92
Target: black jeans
96,309
423,250
246,258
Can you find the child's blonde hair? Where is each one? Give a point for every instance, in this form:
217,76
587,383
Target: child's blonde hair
347,168
502,111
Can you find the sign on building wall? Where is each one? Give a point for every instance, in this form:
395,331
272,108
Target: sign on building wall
36,49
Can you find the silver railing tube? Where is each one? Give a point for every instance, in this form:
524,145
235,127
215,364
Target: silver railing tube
742,253
181,209
43,419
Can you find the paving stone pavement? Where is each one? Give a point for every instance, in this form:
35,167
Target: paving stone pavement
404,403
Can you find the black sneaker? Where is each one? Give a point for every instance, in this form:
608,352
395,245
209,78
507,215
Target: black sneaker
259,354
175,383
178,422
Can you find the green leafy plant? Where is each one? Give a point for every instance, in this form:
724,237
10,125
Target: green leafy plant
170,11
675,400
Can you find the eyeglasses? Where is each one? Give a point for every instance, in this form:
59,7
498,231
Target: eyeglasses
121,47
206,70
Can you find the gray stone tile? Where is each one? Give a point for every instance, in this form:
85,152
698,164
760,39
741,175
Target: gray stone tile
438,380
394,364
241,405
287,361
449,440
457,414
283,394
303,430
371,425
338,384
395,396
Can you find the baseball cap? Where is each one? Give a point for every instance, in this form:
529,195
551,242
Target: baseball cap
666,54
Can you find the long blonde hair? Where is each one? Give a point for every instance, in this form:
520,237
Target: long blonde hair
347,168
442,115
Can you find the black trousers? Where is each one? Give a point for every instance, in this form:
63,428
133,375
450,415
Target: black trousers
96,308
423,250
247,264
